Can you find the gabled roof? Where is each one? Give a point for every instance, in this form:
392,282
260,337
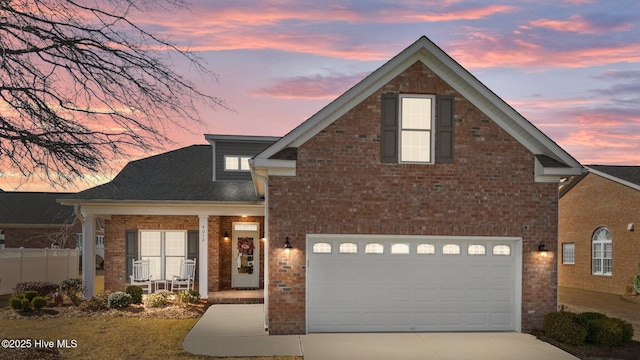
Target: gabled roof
182,175
457,77
33,209
625,175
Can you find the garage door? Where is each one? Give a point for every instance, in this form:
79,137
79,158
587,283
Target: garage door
404,283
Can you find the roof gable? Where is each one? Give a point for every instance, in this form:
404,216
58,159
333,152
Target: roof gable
625,175
457,77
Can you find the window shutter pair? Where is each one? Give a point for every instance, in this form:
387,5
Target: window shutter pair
131,249
389,149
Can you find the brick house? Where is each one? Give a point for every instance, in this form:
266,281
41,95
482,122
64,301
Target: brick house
599,217
36,220
415,201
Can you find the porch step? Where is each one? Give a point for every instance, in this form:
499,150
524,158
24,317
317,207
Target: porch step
237,297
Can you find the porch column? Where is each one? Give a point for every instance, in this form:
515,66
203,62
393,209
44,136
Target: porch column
89,254
203,255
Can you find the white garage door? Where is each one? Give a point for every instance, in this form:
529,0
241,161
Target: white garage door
404,283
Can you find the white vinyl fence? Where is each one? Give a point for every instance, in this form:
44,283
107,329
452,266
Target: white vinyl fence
52,265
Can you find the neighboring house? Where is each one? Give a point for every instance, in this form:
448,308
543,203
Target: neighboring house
36,220
599,222
416,201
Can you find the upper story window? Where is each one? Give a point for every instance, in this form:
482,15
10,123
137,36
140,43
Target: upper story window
601,251
236,163
416,125
417,128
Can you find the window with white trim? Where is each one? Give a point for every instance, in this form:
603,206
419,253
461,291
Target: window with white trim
568,253
236,163
601,252
165,251
417,113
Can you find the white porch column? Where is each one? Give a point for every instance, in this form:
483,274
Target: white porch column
89,254
203,256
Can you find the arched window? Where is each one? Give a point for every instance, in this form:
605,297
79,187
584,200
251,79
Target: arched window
348,248
476,250
601,252
321,248
400,248
451,249
426,249
374,248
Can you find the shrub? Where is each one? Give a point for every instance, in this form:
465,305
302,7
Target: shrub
38,302
188,296
73,289
566,327
610,331
17,304
156,300
119,300
136,294
589,320
29,295
43,288
96,303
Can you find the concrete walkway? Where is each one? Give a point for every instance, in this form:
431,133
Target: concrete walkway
238,330
578,300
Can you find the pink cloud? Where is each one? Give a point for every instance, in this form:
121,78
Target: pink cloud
465,14
310,87
580,25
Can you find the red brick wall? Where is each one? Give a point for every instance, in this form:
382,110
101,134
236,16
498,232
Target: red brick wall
114,243
595,202
42,237
219,250
342,187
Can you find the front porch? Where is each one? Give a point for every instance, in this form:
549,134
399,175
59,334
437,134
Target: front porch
237,297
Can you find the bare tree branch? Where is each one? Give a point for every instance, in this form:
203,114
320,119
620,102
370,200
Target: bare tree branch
81,83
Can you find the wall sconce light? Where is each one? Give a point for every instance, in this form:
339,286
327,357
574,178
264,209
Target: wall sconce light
226,235
542,248
287,244
630,227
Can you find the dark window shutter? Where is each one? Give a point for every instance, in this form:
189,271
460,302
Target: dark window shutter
389,139
444,129
192,247
131,251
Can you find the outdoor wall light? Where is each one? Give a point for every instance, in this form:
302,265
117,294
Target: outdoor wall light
226,235
542,248
287,244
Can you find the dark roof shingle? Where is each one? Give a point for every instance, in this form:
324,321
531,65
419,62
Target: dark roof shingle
627,173
184,174
34,208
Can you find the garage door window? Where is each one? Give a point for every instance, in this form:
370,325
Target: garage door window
400,248
476,250
426,249
451,249
374,248
348,248
322,248
504,250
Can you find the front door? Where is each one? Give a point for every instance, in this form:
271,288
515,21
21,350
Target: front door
245,252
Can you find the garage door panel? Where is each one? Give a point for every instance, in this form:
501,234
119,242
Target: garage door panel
411,292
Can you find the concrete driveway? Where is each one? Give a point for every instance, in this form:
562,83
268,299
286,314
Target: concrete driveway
238,330
578,300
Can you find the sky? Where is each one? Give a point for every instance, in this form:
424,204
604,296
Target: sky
571,67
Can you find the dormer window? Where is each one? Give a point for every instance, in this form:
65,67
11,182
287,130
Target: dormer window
236,163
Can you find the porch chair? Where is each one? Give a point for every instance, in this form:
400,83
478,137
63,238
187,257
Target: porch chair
141,276
185,281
